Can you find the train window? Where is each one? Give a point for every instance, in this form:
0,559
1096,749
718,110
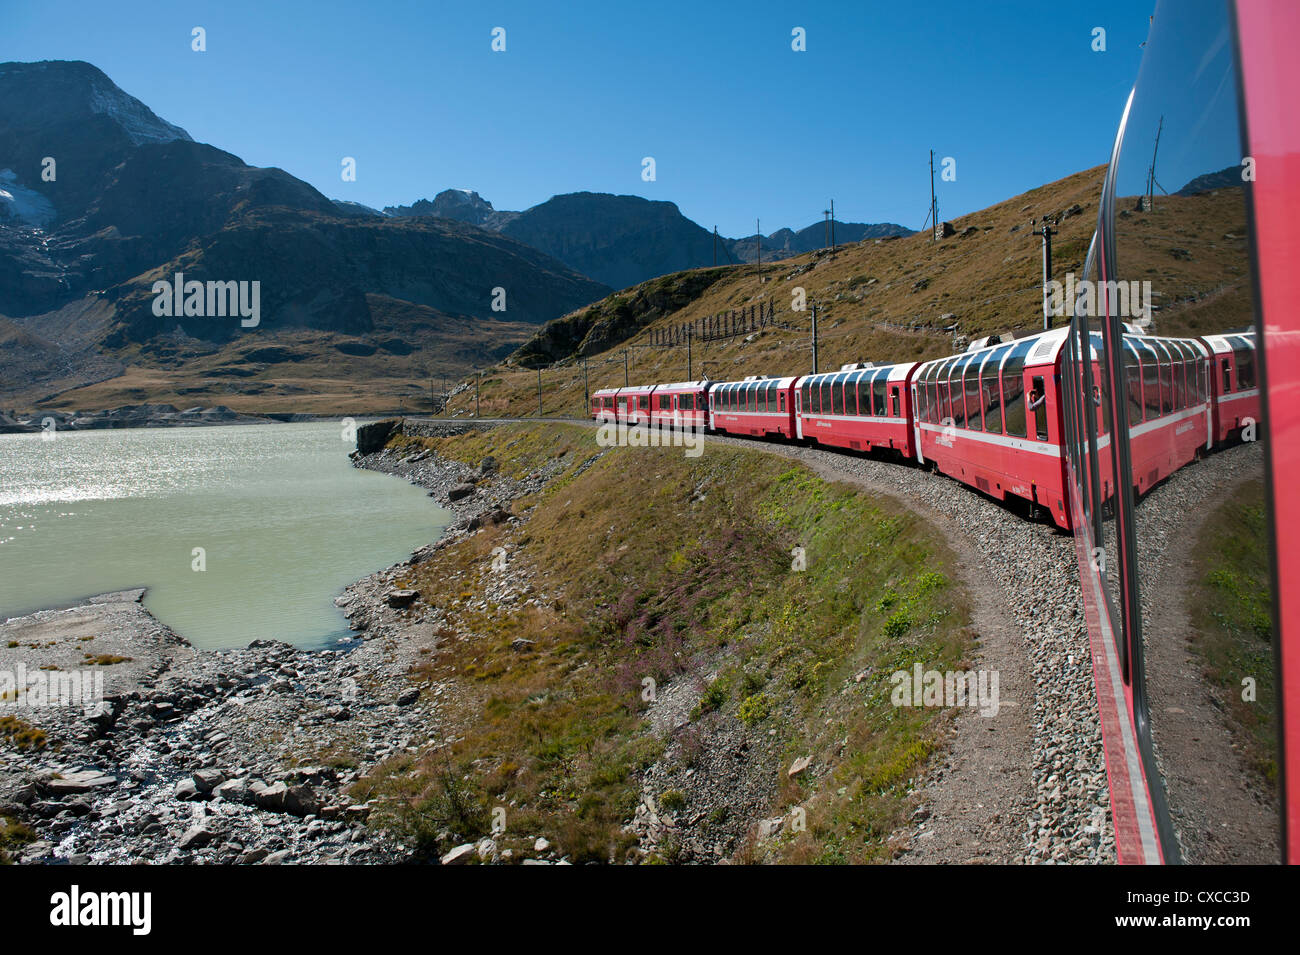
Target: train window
893,393
1133,383
945,392
1013,395
992,391
955,391
878,384
780,401
1245,358
1178,363
1150,382
864,393
1227,377
974,406
837,397
1166,378
1040,410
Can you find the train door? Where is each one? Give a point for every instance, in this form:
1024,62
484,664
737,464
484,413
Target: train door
799,392
916,424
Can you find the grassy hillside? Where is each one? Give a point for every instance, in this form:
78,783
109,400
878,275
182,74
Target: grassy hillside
543,696
895,300
986,278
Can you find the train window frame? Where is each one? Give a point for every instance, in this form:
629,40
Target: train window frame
992,372
1013,366
1041,430
971,390
945,391
956,377
1150,381
1165,361
1133,376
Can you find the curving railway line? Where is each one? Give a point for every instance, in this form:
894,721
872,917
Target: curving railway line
1163,635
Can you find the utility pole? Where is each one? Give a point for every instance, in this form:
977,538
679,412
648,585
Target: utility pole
814,337
478,378
826,228
1046,232
586,393
832,227
758,236
934,204
1151,173
625,378
689,365
539,391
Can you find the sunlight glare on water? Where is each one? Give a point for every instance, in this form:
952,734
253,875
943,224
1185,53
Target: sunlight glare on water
284,519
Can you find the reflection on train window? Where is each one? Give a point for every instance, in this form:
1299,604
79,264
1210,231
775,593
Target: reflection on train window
1202,573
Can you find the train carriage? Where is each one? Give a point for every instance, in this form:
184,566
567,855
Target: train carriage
604,405
990,418
860,408
634,402
1168,400
1234,384
682,404
756,407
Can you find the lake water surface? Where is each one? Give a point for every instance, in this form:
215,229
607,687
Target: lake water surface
284,520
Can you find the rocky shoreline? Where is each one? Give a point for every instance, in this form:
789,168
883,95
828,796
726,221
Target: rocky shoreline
240,756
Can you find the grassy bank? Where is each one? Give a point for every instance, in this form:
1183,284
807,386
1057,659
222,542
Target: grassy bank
1232,626
666,651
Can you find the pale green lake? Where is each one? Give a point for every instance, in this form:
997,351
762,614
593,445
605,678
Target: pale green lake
284,520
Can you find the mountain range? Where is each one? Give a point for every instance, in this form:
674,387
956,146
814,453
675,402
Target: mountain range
101,199
624,240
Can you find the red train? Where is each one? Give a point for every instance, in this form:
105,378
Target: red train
1083,422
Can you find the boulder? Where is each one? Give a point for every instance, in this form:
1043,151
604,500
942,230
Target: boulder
460,855
196,838
401,598
372,437
83,781
460,491
206,780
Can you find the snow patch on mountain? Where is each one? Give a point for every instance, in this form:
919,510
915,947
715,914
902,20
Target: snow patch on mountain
20,204
141,123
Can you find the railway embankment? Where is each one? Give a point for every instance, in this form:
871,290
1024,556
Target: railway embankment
638,655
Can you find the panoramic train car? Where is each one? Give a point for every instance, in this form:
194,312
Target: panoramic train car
1189,589
991,418
756,407
859,408
1234,384
681,404
1169,412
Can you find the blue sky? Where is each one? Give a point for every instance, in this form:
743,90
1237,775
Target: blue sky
740,126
